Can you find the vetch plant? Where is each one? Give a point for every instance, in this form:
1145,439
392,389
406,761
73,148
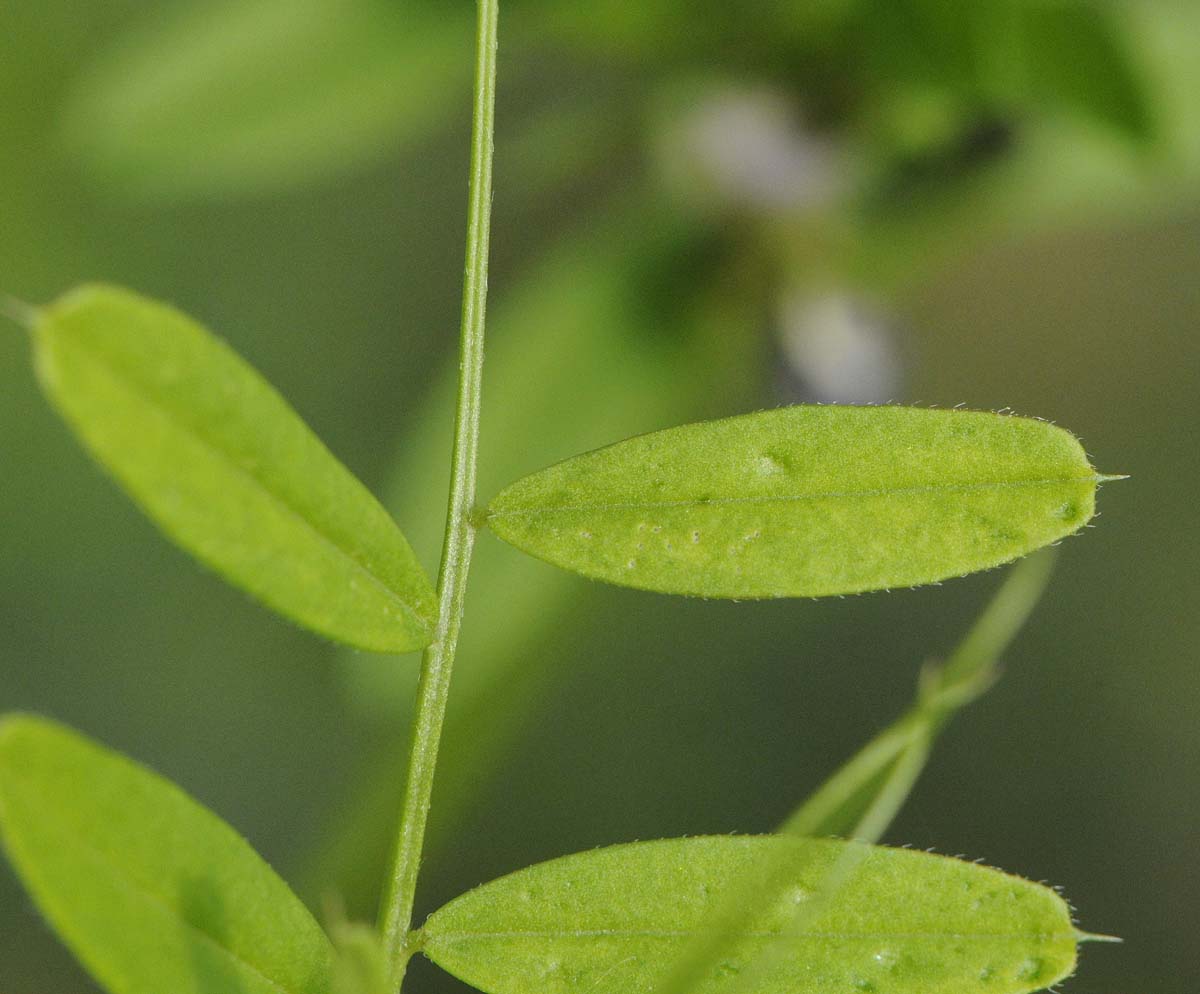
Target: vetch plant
155,894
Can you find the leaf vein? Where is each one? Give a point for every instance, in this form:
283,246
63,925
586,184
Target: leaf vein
638,505
619,933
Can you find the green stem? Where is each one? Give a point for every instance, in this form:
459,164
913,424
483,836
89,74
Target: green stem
436,664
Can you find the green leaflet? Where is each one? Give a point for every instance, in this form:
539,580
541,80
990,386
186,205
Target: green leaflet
610,922
151,891
228,470
805,501
252,96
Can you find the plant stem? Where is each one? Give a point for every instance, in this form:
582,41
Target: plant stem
433,689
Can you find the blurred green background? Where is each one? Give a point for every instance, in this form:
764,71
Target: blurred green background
701,209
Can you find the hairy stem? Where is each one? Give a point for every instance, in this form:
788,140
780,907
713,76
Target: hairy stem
432,692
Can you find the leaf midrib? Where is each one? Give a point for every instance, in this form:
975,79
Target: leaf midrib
619,933
135,884
638,505
135,388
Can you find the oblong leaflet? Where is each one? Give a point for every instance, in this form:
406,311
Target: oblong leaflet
611,921
150,890
217,458
805,501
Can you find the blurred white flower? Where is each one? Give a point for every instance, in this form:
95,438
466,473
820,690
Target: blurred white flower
837,349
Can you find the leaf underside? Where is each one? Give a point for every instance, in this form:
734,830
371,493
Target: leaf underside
611,921
805,501
217,458
150,890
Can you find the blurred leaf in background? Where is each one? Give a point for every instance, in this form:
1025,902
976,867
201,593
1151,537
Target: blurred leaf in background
254,96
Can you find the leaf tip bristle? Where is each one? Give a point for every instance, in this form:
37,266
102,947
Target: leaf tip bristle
19,311
10,720
1082,936
12,725
1109,477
